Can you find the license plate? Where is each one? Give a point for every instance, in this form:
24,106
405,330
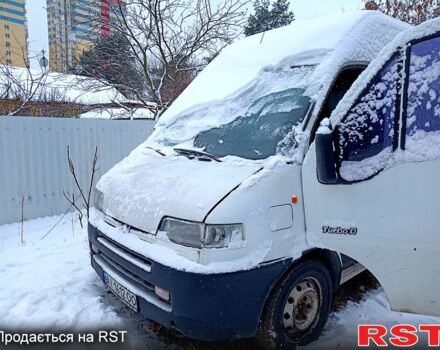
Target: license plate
123,293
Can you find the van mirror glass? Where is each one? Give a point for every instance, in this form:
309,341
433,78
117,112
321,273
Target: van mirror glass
325,154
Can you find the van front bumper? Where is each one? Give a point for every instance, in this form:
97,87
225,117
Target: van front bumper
202,306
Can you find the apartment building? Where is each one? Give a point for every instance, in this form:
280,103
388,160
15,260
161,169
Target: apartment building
74,26
13,33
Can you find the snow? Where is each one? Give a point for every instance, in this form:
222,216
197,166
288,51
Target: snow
421,146
422,30
324,127
252,99
297,63
269,166
49,285
119,113
311,54
145,187
167,256
57,86
309,41
377,106
372,116
424,81
341,329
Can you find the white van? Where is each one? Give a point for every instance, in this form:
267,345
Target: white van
225,224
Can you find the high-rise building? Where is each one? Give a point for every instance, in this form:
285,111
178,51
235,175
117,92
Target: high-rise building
13,33
74,25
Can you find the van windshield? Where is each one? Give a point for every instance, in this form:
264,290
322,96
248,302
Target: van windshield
260,134
258,121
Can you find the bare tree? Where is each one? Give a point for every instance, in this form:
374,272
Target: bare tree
169,40
25,91
371,5
37,92
85,195
57,223
32,92
22,85
413,12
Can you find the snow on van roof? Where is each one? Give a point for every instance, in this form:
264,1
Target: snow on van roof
425,29
329,41
62,87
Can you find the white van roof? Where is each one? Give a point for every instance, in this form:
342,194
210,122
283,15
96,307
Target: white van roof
330,42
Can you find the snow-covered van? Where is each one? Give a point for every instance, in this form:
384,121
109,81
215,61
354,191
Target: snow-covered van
225,223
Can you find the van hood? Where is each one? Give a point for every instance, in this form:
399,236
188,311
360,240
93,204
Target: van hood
140,194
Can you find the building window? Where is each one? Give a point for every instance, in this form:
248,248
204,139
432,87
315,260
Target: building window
7,35
8,44
6,27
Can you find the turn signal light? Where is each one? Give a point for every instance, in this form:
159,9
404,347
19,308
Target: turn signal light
94,249
162,293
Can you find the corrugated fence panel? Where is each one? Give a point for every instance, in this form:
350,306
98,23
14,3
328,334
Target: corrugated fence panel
33,159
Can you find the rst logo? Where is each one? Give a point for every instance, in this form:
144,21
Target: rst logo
402,335
338,230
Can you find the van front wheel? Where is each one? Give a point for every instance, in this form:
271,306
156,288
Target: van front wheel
298,308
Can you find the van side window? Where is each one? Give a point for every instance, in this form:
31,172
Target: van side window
341,85
423,106
366,133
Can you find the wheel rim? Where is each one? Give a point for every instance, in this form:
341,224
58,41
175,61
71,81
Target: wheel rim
301,310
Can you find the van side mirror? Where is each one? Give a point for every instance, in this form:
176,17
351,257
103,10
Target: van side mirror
325,154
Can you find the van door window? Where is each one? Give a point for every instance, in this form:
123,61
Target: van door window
366,134
341,85
423,106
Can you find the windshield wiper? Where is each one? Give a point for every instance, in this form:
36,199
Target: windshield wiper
156,150
191,154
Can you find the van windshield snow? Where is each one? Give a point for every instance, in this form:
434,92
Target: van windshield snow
255,123
260,134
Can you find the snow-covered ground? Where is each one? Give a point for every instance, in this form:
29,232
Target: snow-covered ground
48,284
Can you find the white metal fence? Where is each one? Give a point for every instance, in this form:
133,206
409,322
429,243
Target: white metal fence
33,159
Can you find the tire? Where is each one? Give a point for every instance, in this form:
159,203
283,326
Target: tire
287,322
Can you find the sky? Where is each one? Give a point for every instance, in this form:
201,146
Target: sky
303,9
37,28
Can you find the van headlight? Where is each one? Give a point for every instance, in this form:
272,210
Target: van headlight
198,235
98,200
183,232
219,236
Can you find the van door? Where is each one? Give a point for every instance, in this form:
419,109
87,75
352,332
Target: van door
384,210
